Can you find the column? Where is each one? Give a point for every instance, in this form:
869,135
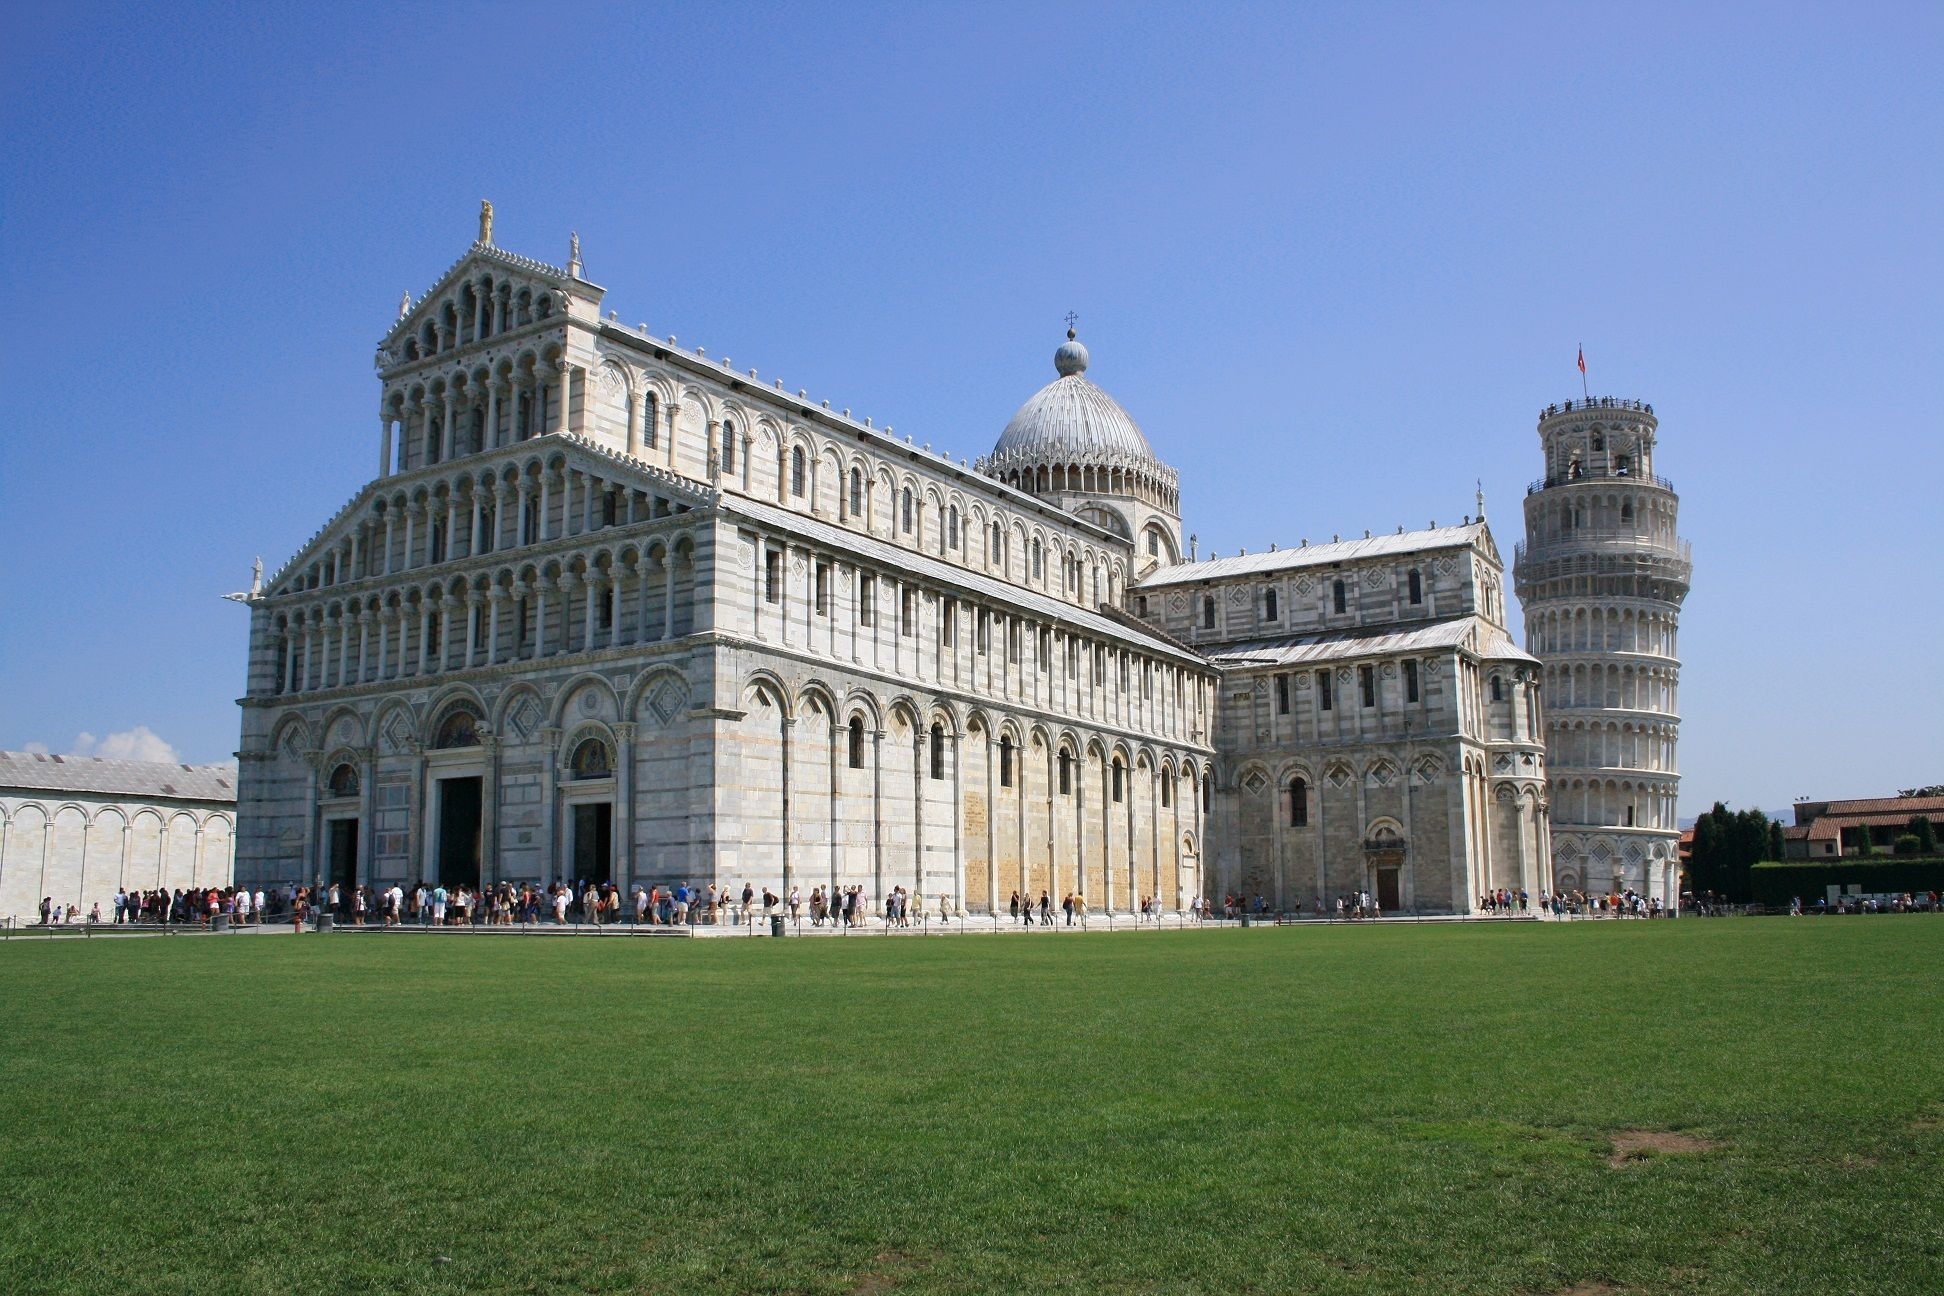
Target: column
592,584
668,593
291,649
958,825
411,521
624,797
494,600
566,395
540,617
674,412
476,541
425,633
634,426
546,502
877,811
789,742
384,446
445,434
473,601
492,415
387,618
715,450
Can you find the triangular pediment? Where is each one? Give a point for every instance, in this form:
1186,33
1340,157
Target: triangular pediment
577,452
482,259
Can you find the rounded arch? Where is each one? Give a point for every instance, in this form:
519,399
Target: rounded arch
607,705
763,683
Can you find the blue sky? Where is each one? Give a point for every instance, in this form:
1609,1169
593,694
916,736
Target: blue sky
1333,259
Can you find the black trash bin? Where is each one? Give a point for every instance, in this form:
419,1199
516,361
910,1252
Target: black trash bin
1245,920
221,922
776,924
324,922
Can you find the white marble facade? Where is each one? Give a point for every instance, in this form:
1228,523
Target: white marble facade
616,609
76,829
1602,574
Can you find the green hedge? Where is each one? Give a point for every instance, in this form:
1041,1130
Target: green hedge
1777,882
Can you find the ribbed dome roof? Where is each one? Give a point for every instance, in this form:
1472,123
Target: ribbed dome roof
1071,419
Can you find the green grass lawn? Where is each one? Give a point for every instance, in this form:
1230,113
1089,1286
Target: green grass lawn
1361,1109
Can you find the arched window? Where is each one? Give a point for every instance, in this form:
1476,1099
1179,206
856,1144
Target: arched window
1005,760
796,471
1269,605
998,545
857,492
460,729
857,742
952,528
904,510
1039,560
1417,586
1154,544
1339,596
1120,779
728,446
1066,773
590,760
1599,441
1167,789
1498,689
344,781
1298,803
650,421
938,751
1208,792
1626,510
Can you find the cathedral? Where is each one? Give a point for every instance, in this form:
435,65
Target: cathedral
612,609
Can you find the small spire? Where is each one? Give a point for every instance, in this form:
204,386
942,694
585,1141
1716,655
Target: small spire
256,576
573,256
1071,320
486,222
1481,499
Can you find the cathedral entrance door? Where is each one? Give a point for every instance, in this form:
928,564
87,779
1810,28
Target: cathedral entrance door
593,845
1389,892
342,852
459,831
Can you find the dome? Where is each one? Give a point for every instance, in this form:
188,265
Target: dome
1071,419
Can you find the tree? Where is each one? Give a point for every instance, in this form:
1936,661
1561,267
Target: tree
1775,848
1863,846
1935,789
1925,833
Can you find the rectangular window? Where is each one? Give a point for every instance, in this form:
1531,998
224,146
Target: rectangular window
823,589
982,633
908,614
1014,649
1325,694
948,623
1282,695
1005,762
608,508
607,608
1367,681
1410,681
1140,604
1208,611
772,576
866,599
1120,781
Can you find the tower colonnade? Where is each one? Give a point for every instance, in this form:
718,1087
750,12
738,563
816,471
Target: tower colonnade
1601,576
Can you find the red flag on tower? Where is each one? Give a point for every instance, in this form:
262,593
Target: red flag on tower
1582,359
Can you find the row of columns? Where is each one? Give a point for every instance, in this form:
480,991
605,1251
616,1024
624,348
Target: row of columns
332,649
872,631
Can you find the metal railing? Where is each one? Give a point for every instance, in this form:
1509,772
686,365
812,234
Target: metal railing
1599,475
1592,404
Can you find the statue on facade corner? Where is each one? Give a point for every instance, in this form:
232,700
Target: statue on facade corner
404,305
486,221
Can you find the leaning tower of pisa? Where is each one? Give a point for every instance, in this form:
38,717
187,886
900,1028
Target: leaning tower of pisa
1601,575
